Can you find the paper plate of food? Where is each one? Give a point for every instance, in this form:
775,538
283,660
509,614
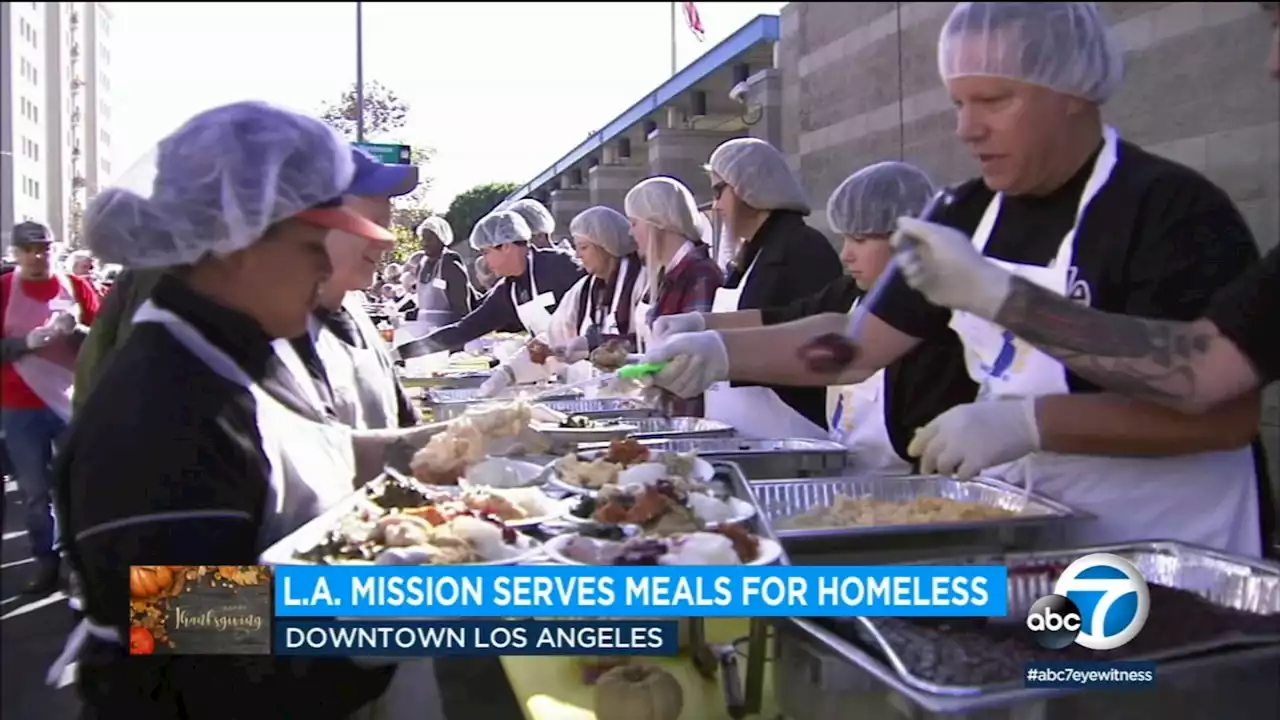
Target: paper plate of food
402,523
727,545
628,463
664,508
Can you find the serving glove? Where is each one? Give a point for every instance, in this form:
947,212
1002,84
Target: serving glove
696,361
573,351
967,439
669,325
942,264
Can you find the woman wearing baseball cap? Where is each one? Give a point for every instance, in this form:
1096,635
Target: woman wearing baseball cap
199,445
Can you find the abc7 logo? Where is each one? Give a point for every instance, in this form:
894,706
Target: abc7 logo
1112,590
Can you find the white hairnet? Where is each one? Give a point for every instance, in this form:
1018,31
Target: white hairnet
535,214
500,228
1063,46
217,184
665,203
870,201
605,227
759,175
439,227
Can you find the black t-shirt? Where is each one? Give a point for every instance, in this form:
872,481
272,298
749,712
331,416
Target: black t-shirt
919,387
1158,240
163,465
1248,313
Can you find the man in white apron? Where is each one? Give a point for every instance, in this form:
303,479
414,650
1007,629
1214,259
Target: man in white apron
40,311
532,285
1108,225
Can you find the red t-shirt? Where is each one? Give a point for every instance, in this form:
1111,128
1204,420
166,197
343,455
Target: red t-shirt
14,392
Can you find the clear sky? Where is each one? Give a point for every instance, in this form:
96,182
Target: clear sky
500,90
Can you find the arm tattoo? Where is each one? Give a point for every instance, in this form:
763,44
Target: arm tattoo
1145,359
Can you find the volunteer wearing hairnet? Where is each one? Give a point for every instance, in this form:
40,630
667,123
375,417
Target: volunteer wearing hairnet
683,278
223,452
781,260
342,357
1063,203
444,296
599,307
540,221
533,283
1230,351
876,417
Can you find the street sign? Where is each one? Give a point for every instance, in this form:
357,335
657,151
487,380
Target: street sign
388,154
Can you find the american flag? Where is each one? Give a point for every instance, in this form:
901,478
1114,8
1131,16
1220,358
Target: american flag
694,20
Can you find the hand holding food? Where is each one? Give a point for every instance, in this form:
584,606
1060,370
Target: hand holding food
943,265
969,438
696,362
610,355
466,441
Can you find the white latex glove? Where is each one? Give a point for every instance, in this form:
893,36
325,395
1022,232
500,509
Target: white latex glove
63,323
969,438
42,336
697,361
501,379
943,265
668,325
573,351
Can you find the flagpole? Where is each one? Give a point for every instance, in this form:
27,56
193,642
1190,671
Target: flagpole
673,39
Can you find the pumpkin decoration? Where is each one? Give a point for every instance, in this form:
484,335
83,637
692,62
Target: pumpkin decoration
141,641
149,581
638,692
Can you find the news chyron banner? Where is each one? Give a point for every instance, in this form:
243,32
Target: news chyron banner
425,611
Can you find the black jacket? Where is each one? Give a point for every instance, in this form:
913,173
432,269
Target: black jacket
791,261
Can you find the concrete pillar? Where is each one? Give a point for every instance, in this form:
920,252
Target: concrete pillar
565,204
681,154
608,184
764,106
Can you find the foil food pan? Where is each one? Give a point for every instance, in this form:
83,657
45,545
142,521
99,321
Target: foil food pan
468,395
783,499
760,459
661,427
1243,584
603,408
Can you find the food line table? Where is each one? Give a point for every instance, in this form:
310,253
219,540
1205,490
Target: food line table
551,688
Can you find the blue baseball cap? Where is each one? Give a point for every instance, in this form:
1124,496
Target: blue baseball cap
375,179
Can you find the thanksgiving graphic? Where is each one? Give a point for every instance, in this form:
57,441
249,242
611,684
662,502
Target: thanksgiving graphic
200,610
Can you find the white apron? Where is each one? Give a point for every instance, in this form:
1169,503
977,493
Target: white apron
362,379
49,371
583,370
856,416
535,315
756,412
1207,499
312,469
433,301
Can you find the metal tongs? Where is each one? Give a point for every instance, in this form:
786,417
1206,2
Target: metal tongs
940,199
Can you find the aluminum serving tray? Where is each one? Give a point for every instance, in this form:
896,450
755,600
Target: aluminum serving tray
1231,673
759,459
616,408
782,499
446,404
448,380
657,428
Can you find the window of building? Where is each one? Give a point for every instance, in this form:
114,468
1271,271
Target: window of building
106,168
105,137
35,151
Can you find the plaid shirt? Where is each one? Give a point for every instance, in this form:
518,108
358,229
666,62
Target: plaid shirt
689,286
